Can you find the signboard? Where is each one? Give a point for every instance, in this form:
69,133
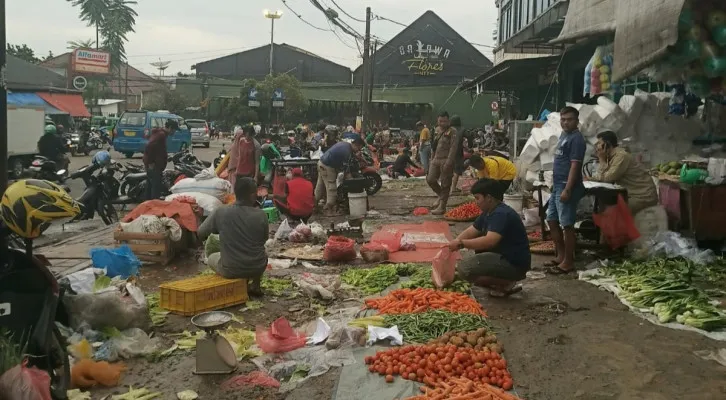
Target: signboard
424,59
278,104
495,114
495,106
278,98
80,82
252,98
253,103
90,61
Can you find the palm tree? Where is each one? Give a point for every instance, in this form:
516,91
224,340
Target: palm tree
93,13
81,44
119,20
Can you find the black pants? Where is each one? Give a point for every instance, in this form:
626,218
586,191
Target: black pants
401,172
153,184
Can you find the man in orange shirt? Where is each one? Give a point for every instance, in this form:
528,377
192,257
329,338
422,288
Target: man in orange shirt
298,201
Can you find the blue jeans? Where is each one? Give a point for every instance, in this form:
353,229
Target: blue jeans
425,153
564,213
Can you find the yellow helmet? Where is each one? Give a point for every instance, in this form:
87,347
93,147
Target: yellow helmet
29,205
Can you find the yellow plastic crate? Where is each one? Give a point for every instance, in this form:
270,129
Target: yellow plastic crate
203,293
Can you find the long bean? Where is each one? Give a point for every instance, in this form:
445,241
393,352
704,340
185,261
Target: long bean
423,327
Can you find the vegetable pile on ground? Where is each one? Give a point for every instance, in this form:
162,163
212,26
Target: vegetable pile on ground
435,364
480,339
422,279
671,289
275,286
426,326
464,212
463,389
403,301
534,236
375,280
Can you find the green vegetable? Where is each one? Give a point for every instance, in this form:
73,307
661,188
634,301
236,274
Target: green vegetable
422,279
375,280
212,245
137,394
158,314
423,327
275,286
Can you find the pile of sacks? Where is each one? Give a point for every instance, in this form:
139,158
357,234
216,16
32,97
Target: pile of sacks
641,122
206,188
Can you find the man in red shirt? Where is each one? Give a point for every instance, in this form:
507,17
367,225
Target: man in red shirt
298,201
248,155
155,158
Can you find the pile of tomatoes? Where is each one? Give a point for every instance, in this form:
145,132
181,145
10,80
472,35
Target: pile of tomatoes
465,211
432,364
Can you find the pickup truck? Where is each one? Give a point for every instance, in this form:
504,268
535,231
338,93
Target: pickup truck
25,126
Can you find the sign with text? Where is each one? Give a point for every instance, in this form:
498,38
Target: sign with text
424,59
90,61
252,98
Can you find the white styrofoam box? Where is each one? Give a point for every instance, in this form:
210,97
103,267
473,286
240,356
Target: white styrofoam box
588,120
649,222
717,168
613,116
540,137
531,176
546,160
591,139
553,119
530,151
576,106
627,102
650,103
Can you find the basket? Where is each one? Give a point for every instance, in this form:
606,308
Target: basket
272,214
202,293
539,248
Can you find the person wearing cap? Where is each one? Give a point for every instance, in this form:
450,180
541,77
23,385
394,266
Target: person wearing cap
298,201
424,145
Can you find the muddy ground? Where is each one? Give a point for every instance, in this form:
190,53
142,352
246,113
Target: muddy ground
563,338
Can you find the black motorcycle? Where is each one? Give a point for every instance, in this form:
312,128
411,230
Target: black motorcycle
47,169
30,305
101,193
220,157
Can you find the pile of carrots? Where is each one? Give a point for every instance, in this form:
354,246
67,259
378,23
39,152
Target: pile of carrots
410,301
464,211
463,389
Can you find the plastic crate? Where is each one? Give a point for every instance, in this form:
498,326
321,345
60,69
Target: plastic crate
203,293
272,214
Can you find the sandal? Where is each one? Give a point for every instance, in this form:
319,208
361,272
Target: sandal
558,271
504,294
550,263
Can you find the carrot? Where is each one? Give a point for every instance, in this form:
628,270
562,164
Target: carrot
419,300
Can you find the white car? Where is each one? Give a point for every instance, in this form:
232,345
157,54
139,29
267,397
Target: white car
200,131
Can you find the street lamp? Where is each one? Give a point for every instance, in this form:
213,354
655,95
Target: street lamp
272,16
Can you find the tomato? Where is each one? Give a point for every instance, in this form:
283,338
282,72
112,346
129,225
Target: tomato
507,384
389,371
411,376
389,378
371,369
368,359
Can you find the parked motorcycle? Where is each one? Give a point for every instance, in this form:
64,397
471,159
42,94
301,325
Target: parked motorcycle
365,164
47,169
101,193
220,157
30,306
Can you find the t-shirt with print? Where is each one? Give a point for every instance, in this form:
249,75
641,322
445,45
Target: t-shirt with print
570,147
514,245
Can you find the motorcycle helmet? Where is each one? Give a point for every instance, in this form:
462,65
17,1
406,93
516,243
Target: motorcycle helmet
102,158
50,129
29,205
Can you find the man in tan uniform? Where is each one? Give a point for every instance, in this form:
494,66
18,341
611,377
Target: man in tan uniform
620,167
443,159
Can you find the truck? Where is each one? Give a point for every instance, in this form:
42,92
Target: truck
25,126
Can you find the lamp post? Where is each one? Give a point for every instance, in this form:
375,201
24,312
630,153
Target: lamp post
272,16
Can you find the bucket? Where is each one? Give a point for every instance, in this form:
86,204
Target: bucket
516,201
358,204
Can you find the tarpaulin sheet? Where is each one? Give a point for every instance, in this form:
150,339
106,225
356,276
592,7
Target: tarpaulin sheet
181,212
356,383
429,237
32,100
71,103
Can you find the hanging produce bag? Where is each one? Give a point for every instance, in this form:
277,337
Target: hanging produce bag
444,268
617,225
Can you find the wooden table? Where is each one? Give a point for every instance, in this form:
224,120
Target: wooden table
697,210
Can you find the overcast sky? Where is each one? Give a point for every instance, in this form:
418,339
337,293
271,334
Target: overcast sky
186,32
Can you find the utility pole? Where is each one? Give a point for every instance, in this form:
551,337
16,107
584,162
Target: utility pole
3,122
371,72
364,95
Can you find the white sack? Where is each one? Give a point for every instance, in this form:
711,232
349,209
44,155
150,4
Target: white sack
208,202
216,187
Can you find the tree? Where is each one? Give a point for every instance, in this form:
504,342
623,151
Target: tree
113,19
81,44
163,98
23,52
49,56
238,111
92,13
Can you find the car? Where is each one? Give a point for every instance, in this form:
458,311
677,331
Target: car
200,131
134,128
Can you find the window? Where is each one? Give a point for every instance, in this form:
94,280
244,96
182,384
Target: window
158,122
194,123
133,119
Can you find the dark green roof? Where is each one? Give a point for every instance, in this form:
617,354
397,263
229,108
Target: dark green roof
22,75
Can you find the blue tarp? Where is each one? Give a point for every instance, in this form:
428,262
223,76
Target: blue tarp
32,100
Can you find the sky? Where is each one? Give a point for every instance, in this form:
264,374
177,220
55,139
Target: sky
186,32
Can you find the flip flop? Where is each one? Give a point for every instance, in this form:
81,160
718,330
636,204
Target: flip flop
550,263
558,271
500,294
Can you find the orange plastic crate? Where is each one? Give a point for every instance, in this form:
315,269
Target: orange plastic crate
202,293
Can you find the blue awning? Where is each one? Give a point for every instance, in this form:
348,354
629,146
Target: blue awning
32,100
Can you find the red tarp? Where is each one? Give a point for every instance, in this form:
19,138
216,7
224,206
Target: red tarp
181,212
429,238
70,103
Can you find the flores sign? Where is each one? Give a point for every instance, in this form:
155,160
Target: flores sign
424,59
90,61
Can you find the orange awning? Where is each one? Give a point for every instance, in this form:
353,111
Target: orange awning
70,103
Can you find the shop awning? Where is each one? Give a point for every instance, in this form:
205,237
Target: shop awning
70,103
32,100
513,74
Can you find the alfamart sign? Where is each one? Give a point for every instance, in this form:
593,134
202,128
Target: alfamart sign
91,61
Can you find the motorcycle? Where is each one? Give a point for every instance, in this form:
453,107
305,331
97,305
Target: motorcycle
220,157
101,193
365,164
30,306
46,169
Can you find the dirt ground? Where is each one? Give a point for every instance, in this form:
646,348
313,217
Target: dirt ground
563,338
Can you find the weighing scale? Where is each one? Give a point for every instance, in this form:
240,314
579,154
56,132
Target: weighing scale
214,353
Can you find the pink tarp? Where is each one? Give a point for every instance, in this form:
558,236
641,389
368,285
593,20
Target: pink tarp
429,237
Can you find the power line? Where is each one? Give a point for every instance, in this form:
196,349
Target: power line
340,38
302,19
349,16
378,17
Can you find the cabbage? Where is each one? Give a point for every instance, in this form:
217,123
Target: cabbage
212,245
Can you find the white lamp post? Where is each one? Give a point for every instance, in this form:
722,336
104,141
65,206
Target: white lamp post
272,16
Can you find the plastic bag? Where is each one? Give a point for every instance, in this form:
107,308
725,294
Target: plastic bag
672,244
617,225
207,202
444,268
339,249
133,343
390,238
88,373
279,338
531,216
301,234
121,261
418,211
154,224
318,232
374,252
23,383
283,231
105,310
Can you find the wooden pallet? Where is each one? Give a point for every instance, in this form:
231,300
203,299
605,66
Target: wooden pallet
152,247
72,254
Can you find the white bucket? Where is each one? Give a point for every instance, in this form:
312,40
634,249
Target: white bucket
516,201
358,204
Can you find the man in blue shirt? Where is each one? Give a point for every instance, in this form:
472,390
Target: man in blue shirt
567,190
334,161
499,240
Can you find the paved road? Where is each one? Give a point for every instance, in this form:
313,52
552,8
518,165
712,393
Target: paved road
79,161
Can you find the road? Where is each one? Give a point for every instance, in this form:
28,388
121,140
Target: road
80,161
